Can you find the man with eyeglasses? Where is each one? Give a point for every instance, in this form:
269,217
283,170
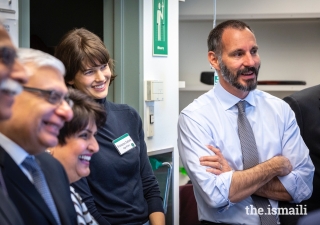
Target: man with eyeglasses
36,182
12,76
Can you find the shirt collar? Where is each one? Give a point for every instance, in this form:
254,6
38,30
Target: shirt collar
17,153
228,100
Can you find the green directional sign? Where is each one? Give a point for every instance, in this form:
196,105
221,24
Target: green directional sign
160,27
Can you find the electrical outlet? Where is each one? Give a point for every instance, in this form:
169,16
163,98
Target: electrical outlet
150,123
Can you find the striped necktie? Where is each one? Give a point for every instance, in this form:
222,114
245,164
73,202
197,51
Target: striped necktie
41,185
250,159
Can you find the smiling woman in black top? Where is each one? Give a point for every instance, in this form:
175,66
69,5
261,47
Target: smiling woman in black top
121,188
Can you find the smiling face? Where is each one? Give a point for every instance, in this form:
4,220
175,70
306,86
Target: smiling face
10,87
12,75
35,123
76,153
239,63
94,81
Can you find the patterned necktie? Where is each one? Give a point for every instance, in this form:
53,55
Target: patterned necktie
40,183
250,159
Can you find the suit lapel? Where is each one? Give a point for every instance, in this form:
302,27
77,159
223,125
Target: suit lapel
9,212
55,189
13,173
59,185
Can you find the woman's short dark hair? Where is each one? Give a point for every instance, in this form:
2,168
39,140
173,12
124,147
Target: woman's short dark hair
79,48
85,110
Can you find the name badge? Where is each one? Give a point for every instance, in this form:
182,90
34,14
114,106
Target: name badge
124,143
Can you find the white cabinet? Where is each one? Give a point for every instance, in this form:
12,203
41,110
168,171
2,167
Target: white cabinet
9,15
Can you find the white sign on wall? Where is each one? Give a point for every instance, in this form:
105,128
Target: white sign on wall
9,18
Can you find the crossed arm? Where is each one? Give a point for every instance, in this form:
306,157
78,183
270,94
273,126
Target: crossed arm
259,180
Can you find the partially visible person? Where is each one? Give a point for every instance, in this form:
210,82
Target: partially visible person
121,188
36,182
77,144
7,53
12,76
306,106
256,154
311,219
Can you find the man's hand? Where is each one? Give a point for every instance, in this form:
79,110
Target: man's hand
260,179
217,163
282,165
274,188
249,181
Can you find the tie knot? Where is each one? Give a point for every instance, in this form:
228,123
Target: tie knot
241,106
30,164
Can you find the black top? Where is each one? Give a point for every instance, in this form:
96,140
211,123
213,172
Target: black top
123,188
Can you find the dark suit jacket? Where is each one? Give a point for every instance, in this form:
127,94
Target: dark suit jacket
28,201
310,219
8,212
306,106
9,215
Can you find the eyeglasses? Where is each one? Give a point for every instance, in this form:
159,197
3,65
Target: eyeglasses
7,55
53,97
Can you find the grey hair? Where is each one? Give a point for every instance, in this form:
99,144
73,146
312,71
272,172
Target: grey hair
40,59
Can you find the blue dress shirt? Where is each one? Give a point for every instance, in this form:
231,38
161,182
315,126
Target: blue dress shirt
212,120
17,153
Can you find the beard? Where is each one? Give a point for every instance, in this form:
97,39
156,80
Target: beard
233,78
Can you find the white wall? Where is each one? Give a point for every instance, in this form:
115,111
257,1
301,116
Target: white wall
9,16
193,51
167,70
246,9
289,50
